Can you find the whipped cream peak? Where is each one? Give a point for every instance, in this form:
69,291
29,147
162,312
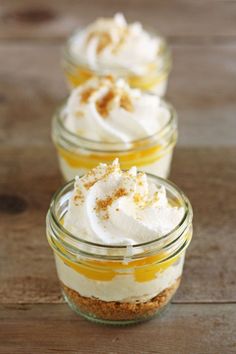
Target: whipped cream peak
108,110
112,42
114,207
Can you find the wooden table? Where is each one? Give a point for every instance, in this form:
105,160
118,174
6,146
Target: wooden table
33,317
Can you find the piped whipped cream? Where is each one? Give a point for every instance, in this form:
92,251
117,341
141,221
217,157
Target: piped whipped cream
108,110
113,43
112,207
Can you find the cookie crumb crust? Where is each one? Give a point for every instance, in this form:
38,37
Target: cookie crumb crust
118,311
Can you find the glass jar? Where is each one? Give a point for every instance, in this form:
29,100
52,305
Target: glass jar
77,155
119,285
155,80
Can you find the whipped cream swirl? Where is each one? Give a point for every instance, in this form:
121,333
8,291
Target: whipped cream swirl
112,207
108,110
112,43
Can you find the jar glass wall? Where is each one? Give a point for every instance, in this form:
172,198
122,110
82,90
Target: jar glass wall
155,80
119,285
77,155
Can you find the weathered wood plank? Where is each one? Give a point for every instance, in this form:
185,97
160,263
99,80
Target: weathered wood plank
56,19
31,87
208,178
182,329
27,273
202,87
28,180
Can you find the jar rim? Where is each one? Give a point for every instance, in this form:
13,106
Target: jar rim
112,147
104,69
179,229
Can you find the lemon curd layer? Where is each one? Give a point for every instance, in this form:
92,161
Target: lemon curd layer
137,280
126,284
152,160
143,270
127,160
151,82
133,281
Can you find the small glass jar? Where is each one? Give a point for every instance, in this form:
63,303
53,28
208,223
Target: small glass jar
155,80
119,285
77,155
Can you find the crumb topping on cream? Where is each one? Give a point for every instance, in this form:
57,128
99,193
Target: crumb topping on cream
114,207
108,110
114,43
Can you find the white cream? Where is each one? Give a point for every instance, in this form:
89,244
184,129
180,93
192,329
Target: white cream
160,87
108,110
112,43
121,288
112,207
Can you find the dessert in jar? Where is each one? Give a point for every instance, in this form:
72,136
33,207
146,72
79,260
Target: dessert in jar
112,46
104,118
119,240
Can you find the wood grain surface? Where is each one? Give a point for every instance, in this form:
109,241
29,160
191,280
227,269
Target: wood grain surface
190,19
47,328
33,317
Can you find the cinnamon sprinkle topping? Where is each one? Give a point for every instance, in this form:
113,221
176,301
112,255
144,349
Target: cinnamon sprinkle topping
104,103
103,204
78,198
110,78
86,94
126,103
89,184
92,174
114,96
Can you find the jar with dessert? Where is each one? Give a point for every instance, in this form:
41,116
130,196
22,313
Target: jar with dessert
119,239
105,118
112,46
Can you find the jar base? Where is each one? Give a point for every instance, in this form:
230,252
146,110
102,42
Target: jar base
116,313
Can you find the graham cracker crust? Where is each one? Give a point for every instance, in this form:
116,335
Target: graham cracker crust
118,311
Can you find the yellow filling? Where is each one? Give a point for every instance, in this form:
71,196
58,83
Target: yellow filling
81,75
96,270
146,83
145,269
127,160
78,77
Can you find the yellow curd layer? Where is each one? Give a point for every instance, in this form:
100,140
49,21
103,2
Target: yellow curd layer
127,160
146,83
81,75
145,269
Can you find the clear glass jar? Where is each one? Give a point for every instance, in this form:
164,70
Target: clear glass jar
119,285
77,155
155,80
